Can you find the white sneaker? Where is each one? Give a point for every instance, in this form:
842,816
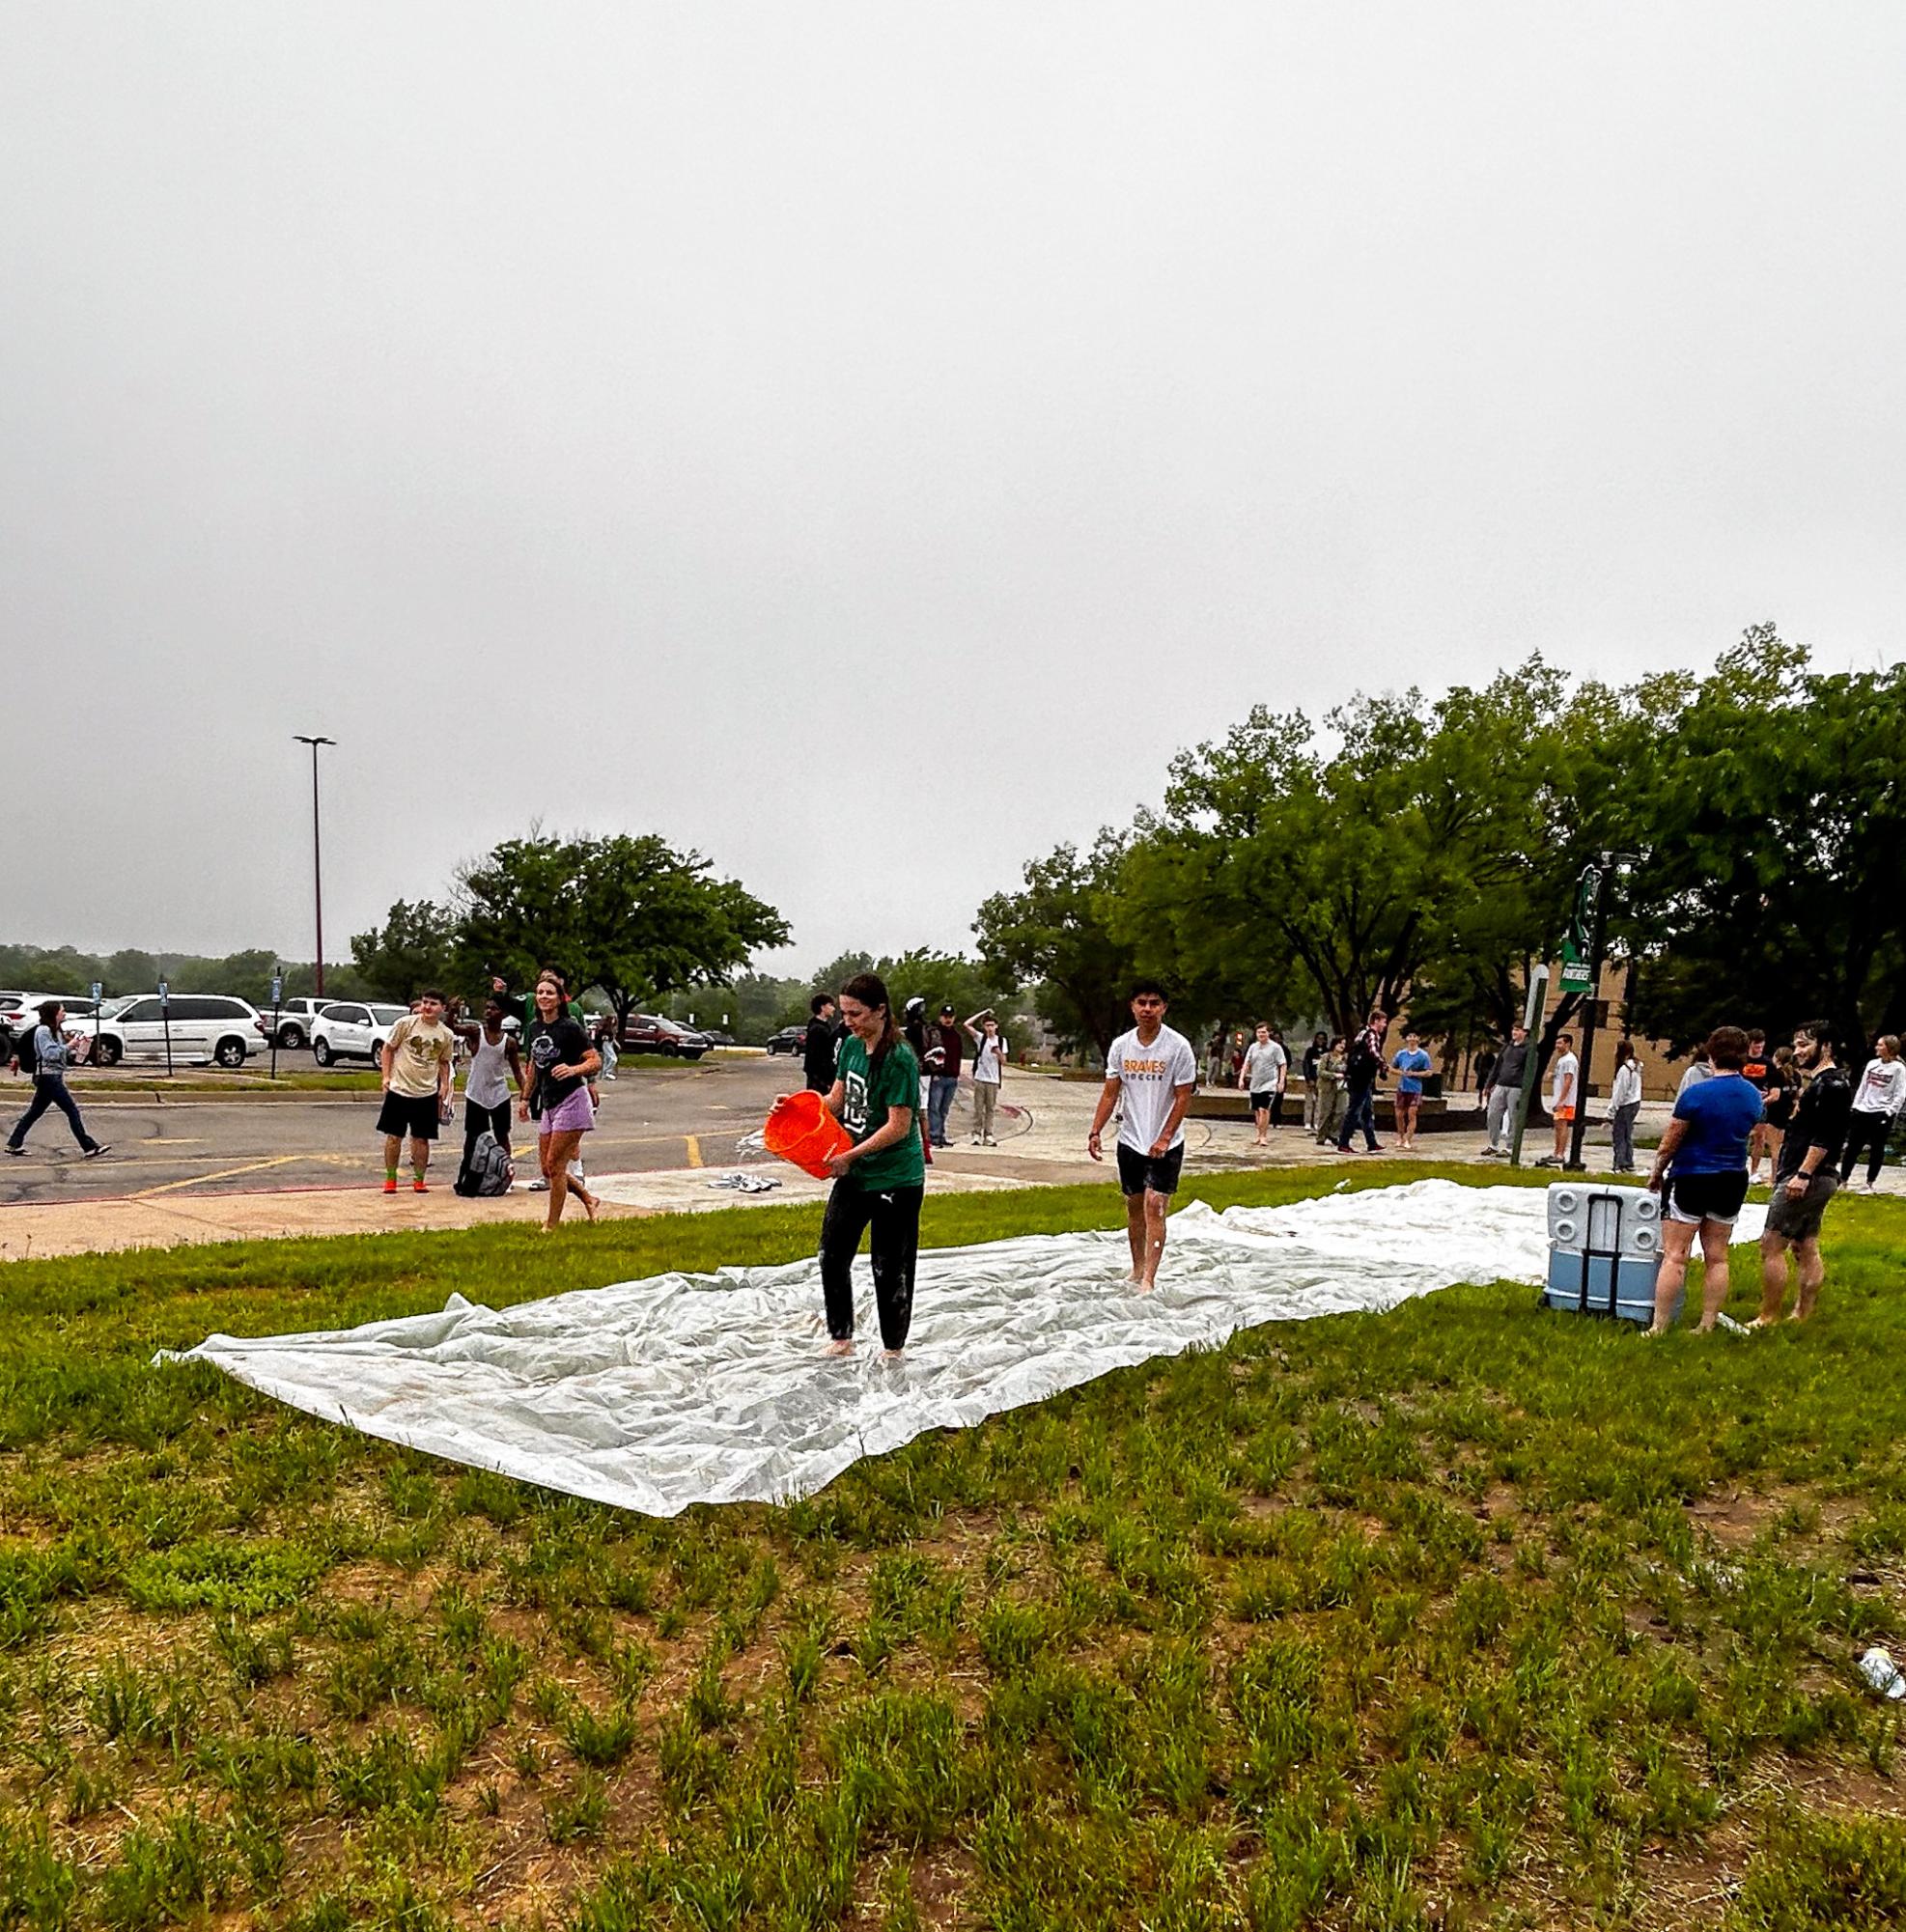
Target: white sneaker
539,1185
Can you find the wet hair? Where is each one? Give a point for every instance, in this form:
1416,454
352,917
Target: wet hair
1151,986
819,1000
1820,1030
1726,1048
869,988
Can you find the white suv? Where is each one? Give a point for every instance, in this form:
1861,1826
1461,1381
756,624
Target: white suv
203,1026
350,1029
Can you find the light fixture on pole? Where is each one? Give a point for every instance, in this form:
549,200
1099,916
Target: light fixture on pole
316,865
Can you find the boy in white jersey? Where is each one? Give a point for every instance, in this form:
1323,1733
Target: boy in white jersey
1151,1074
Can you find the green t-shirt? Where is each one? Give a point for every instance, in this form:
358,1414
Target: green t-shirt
864,1110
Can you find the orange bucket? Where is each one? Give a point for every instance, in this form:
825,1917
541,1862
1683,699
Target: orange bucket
801,1129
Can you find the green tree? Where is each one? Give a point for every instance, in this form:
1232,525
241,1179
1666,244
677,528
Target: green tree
1056,937
625,913
415,947
1770,814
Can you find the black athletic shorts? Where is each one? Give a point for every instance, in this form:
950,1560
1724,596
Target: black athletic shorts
1260,1102
1693,1198
1156,1174
1798,1216
402,1114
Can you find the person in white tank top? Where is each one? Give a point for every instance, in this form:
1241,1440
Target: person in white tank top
494,1061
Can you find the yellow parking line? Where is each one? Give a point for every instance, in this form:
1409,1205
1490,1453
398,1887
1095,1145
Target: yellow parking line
223,1174
694,1150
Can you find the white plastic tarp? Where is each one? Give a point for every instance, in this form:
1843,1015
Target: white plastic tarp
685,1388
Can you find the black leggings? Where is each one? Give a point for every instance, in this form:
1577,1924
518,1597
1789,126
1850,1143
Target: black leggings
51,1090
895,1219
1866,1133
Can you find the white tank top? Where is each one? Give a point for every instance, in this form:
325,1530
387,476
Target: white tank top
487,1081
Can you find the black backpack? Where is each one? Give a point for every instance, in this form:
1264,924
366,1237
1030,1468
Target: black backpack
26,1048
1361,1064
489,1171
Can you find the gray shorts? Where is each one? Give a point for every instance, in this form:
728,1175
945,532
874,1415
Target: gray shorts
1797,1216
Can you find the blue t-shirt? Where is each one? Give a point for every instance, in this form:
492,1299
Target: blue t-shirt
1410,1061
1720,1114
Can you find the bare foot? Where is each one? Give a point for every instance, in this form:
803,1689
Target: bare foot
892,1354
1704,1329
1763,1320
590,1203
840,1348
1652,1334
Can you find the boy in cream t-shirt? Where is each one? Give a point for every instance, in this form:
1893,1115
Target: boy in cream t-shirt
417,1059
1151,1074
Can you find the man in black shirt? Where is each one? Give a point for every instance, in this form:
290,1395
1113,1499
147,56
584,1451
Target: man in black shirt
821,1045
1804,1177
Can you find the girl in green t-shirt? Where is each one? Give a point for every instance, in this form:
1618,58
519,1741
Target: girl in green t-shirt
879,1179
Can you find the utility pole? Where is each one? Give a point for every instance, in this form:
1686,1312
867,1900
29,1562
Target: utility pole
1591,924
316,861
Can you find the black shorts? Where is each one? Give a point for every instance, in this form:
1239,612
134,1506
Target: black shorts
402,1114
1798,1216
1260,1102
1149,1173
1693,1198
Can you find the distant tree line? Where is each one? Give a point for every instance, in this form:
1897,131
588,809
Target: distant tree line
245,974
1423,851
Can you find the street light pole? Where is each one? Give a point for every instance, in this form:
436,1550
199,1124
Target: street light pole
316,861
1610,862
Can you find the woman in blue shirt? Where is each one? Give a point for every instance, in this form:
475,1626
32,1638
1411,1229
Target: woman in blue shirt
1410,1064
49,1085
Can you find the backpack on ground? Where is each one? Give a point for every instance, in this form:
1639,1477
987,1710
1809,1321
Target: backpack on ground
488,1171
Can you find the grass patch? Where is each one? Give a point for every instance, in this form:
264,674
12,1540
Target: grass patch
1465,1614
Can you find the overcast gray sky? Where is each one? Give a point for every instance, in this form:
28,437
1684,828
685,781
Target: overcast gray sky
864,443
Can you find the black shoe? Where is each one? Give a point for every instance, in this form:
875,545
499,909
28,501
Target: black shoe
11,1149
94,1153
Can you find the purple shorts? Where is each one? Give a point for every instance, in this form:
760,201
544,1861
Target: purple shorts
569,1116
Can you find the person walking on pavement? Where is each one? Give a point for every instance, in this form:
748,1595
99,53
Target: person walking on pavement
1330,1091
556,1093
1266,1069
1151,1074
1364,1067
989,1071
45,1052
1876,1100
1625,1106
1312,1053
944,1048
821,1046
1804,1177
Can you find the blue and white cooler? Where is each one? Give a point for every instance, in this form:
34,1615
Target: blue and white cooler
1604,1250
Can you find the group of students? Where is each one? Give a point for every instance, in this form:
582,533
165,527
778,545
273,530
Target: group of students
1706,1160
1341,1074
541,1044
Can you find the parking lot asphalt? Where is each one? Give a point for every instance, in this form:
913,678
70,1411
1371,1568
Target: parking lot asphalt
689,1116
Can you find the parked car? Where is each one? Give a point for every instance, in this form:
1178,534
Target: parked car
353,1029
20,1011
716,1038
294,1020
201,1025
789,1040
650,1033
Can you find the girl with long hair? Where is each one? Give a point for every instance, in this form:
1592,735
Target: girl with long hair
880,1179
561,1064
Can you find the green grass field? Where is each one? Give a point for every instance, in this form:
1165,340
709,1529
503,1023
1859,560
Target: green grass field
1463,1615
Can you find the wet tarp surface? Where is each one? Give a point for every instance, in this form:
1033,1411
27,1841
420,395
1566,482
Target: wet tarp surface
686,1388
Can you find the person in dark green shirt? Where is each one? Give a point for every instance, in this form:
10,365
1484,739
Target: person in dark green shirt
879,1179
